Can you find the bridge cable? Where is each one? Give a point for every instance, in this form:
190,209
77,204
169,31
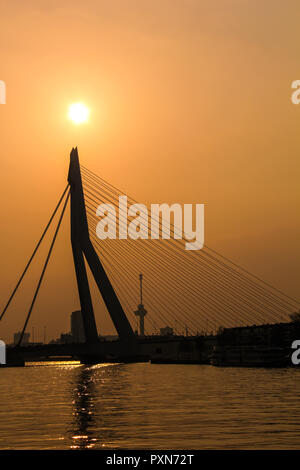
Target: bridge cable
212,266
33,255
169,288
218,274
132,278
94,201
44,268
174,244
117,191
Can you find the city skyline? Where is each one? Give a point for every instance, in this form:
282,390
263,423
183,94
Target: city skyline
185,105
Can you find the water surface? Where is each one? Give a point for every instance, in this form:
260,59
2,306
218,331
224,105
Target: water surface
144,406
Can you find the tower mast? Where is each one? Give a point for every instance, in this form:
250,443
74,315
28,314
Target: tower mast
141,311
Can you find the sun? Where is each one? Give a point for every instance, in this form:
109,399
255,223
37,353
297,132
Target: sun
79,113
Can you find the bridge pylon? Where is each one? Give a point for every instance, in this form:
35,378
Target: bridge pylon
83,249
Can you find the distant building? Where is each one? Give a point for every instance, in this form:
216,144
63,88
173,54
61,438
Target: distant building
166,331
66,338
25,340
77,330
108,337
76,335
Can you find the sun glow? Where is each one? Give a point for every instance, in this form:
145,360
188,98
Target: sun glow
78,113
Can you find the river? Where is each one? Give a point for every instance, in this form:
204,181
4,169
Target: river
144,406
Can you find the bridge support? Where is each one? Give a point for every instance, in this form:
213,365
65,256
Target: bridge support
82,246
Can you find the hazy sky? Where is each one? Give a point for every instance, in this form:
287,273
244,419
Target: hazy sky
190,102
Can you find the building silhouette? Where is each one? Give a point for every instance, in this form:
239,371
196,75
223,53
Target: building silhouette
77,329
17,337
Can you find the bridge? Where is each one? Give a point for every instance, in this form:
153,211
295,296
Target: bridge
197,293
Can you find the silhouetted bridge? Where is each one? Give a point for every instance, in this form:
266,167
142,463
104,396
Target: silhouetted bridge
177,349
195,292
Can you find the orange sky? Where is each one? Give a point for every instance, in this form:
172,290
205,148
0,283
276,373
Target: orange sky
190,103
